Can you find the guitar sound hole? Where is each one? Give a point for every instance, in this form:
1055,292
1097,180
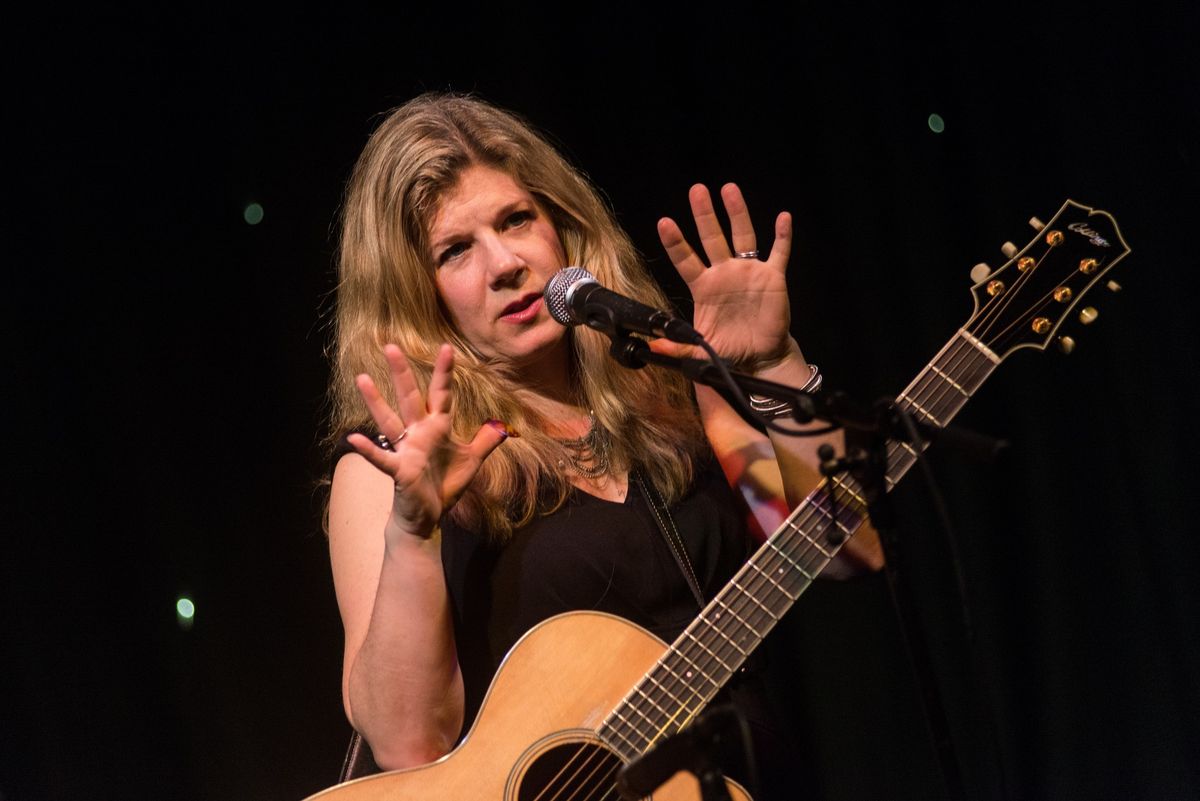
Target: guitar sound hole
571,772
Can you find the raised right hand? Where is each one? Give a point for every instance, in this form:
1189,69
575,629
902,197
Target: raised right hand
429,468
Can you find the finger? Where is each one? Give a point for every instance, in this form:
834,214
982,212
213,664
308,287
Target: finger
487,439
680,351
410,404
740,226
781,248
390,424
439,384
686,262
369,450
712,236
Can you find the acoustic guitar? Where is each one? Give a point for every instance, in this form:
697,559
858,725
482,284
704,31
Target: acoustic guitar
583,693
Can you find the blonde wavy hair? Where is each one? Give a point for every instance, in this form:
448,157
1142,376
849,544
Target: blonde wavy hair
386,293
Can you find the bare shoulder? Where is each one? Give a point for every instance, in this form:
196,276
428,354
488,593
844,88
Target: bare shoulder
360,494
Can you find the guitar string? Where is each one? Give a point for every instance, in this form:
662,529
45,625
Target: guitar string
1009,296
757,616
999,304
756,583
744,607
936,406
589,782
756,619
745,601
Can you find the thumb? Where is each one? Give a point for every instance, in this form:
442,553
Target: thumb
488,438
668,348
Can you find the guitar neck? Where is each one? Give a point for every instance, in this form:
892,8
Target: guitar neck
710,650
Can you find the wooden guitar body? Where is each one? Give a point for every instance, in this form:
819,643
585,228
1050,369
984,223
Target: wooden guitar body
538,724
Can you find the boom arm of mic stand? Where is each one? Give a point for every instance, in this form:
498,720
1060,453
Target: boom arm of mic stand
833,407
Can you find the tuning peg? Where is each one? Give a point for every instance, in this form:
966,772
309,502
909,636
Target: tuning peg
1088,315
1066,345
980,272
1036,224
1008,249
1113,286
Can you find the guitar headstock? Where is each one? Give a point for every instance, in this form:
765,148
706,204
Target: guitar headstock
1024,303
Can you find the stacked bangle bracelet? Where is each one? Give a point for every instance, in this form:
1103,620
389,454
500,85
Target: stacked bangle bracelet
772,408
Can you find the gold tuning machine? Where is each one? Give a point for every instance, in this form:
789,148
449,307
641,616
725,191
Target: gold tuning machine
1036,224
1088,315
980,273
1113,286
1008,249
1066,344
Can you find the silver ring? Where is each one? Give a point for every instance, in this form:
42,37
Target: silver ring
390,444
746,254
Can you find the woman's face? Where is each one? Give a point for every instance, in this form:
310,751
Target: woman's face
494,248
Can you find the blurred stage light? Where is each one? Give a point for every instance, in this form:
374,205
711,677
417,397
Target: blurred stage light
936,123
185,613
253,214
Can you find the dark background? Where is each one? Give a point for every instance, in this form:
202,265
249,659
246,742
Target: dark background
165,375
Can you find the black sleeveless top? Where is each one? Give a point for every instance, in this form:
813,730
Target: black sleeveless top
591,554
594,554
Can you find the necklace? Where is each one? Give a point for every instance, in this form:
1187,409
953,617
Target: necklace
589,455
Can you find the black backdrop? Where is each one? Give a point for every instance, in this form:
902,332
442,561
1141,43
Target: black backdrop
164,372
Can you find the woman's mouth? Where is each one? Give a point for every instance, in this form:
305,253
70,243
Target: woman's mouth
523,309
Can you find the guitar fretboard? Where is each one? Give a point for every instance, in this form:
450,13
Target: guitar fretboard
716,644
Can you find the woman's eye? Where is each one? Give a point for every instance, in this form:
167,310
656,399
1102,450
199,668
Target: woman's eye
518,218
452,252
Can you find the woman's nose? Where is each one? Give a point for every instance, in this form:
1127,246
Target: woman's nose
504,264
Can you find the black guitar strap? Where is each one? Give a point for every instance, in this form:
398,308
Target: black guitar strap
666,526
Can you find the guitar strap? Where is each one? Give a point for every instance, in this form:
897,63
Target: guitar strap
666,526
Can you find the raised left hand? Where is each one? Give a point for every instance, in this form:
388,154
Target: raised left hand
741,303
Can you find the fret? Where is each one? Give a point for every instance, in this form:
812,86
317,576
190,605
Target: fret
982,348
688,633
848,517
771,544
653,703
826,518
746,593
676,652
636,749
810,539
844,485
924,412
771,579
949,380
632,727
716,624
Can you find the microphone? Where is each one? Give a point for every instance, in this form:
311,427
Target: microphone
574,297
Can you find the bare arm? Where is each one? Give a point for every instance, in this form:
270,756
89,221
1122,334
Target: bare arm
742,308
401,683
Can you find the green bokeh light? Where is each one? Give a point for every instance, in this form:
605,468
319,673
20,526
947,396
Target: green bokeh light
253,214
936,123
185,609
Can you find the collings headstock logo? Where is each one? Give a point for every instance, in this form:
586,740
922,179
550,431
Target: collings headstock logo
1084,230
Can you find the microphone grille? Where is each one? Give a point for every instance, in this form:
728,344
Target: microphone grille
556,290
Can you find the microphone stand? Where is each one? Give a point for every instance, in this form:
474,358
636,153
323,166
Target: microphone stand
696,749
835,408
869,467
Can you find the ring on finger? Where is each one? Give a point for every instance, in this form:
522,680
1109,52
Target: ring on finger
746,254
390,443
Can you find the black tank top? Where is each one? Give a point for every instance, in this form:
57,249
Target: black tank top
591,554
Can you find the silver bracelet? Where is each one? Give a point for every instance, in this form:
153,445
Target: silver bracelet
772,408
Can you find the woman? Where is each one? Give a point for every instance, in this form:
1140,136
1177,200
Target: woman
516,462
